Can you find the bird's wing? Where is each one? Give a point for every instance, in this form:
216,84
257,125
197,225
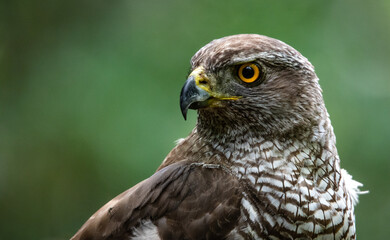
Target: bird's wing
181,201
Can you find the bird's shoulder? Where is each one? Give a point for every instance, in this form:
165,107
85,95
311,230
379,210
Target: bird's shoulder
181,201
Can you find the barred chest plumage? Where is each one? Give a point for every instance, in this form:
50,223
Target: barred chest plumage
294,188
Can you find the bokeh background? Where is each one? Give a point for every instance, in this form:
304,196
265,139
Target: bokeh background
89,96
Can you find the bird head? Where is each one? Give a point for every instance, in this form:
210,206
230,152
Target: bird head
252,80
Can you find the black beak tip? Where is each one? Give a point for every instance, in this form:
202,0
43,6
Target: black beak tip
184,113
183,105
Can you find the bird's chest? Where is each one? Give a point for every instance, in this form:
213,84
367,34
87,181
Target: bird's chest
265,209
283,200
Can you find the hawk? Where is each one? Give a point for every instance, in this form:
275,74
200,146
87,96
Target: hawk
261,162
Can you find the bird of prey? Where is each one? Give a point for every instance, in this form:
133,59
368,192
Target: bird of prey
261,162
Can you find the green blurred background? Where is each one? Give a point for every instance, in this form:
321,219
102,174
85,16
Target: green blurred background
89,96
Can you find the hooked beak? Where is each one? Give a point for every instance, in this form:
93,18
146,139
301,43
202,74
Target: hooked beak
196,93
192,96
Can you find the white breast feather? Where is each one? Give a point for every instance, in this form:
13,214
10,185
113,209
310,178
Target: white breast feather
352,186
147,230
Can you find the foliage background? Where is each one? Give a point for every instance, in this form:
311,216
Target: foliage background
89,96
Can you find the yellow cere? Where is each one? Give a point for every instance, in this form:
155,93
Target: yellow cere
200,79
203,82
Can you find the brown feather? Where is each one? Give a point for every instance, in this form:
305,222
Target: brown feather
184,201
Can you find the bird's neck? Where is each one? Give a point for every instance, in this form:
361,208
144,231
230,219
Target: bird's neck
311,153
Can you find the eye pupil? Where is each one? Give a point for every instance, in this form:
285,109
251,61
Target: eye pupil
248,72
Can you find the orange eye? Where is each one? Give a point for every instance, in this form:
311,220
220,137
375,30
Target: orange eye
249,72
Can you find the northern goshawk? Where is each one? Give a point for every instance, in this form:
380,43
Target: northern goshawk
261,162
